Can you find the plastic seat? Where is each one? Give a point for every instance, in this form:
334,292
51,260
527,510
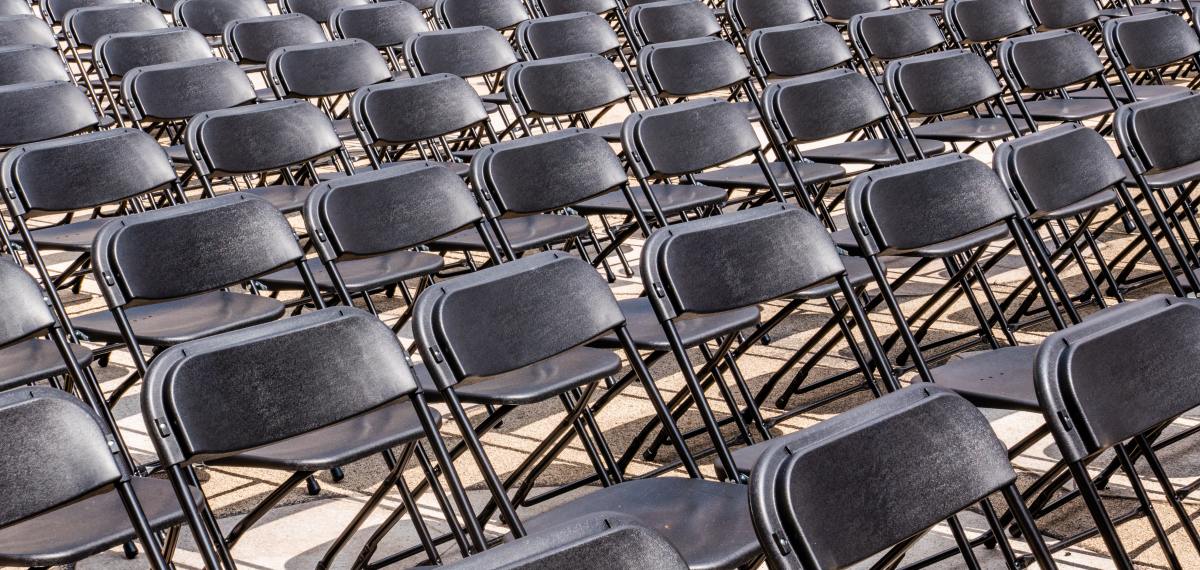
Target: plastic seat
672,199
523,233
540,380
35,360
647,331
173,322
751,175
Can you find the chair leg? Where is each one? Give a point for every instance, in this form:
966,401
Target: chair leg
1099,514
1164,540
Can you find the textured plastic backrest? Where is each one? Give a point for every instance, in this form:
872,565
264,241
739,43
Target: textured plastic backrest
495,14
688,137
1119,373
943,82
408,110
1050,60
15,8
602,541
1162,131
568,34
30,64
253,39
261,137
738,260
566,85
873,476
547,172
252,387
319,10
192,248
38,111
922,203
1062,14
672,20
799,49
119,53
1058,167
180,90
58,9
23,308
691,67
383,24
987,20
823,104
465,52
86,25
76,173
512,315
26,30
389,209
1152,40
560,7
209,17
892,34
327,68
843,10
757,14
54,452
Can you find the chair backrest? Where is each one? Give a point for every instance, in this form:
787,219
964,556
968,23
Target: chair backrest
76,173
823,105
385,210
318,10
209,17
383,24
32,112
915,205
120,53
251,40
56,10
1058,167
30,64
260,138
23,305
939,83
979,21
15,8
191,248
495,14
326,69
814,505
1150,41
601,541
1063,14
223,394
565,85
568,34
560,7
545,172
465,52
672,20
55,450
1119,373
757,14
798,49
1050,60
687,137
416,109
843,10
511,315
26,30
737,260
180,90
86,25
1156,132
892,34
691,67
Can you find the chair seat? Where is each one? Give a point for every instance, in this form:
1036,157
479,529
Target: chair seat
1097,200
178,153
648,334
845,240
495,98
1064,109
75,236
1174,176
1001,378
857,271
461,169
1142,92
610,132
344,128
974,129
872,151
706,521
285,198
751,175
180,320
524,233
341,443
672,198
363,274
541,380
83,528
36,359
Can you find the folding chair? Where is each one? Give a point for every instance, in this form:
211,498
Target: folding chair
671,20
1141,48
888,35
813,510
327,74
31,64
82,27
839,12
481,349
26,30
693,68
1046,65
319,10
349,390
386,25
611,10
15,8
53,11
470,53
114,55
795,50
570,91
982,24
209,17
250,41
748,16
31,112
1065,14
501,15
575,34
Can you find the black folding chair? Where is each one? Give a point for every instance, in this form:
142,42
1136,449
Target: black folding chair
472,52
575,34
669,21
250,41
31,112
327,74
1065,14
796,49
15,8
53,11
82,27
982,24
1045,66
26,30
349,391
1142,48
839,12
319,10
499,15
209,17
568,91
747,16
888,35
815,508
116,54
31,64
386,25
679,70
